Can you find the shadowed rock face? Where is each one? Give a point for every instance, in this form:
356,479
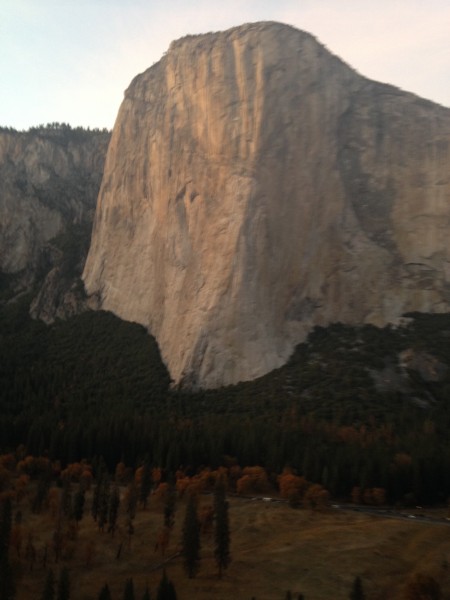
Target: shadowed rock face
256,186
49,180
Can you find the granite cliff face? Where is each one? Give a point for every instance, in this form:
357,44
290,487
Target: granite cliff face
256,186
50,180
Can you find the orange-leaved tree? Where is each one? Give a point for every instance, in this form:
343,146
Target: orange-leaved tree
254,480
292,487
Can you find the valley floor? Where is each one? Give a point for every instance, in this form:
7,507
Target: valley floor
274,549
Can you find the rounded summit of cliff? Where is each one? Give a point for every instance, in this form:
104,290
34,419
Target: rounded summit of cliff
276,40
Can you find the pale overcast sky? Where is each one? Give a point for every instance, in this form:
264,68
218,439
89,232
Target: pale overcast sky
71,60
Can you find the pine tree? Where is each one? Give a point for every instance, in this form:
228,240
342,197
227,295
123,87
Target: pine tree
5,527
49,587
95,501
146,484
113,510
6,574
171,593
128,592
105,593
41,495
6,580
357,592
146,594
169,505
103,504
66,497
78,505
222,529
191,538
166,589
63,585
131,499
102,482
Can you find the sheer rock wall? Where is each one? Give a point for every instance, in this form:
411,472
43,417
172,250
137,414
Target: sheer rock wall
256,186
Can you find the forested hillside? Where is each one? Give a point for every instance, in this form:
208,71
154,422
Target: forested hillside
354,408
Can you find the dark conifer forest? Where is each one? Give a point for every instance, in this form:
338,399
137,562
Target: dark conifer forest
344,412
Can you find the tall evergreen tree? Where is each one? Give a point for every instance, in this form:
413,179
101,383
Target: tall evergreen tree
113,510
102,482
105,593
49,586
63,585
166,589
66,497
131,500
5,527
78,504
6,574
357,592
146,484
128,592
146,594
191,538
7,588
95,501
169,505
103,503
222,527
41,494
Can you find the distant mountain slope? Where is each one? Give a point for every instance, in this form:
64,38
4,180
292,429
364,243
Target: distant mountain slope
50,180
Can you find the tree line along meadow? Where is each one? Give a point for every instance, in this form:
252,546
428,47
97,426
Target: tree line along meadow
33,489
59,527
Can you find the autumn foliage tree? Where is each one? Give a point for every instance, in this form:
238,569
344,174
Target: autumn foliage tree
292,487
254,480
316,497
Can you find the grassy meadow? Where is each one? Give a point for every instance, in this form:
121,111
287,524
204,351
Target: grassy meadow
274,549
